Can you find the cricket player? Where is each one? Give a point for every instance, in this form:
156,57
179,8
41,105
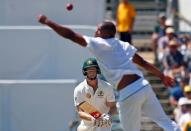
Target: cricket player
99,96
117,61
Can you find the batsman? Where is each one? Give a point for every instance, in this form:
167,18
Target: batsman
95,101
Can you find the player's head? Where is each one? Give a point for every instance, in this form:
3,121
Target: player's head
90,68
106,30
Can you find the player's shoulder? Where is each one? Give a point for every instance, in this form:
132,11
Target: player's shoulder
80,86
97,40
126,45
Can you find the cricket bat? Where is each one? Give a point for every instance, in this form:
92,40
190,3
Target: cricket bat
90,109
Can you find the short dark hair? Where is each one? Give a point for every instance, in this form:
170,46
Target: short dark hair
108,26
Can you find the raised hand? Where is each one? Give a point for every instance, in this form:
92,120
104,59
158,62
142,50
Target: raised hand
168,81
42,19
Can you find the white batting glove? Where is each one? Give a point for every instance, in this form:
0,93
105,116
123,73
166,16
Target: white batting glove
98,122
106,120
103,121
116,125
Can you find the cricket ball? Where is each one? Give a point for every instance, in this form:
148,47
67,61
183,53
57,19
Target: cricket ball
69,6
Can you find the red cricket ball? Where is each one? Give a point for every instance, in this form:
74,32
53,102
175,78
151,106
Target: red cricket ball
69,6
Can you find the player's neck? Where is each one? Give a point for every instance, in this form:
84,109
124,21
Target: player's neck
93,83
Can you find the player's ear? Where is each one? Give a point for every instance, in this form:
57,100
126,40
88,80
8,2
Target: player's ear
84,72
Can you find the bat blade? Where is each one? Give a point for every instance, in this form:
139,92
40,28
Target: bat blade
90,109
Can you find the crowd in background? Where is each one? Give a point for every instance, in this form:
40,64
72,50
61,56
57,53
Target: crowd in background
173,55
172,51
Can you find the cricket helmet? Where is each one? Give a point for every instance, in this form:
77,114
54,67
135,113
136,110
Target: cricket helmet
90,62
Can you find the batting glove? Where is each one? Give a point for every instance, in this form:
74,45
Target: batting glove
98,122
116,125
106,120
103,121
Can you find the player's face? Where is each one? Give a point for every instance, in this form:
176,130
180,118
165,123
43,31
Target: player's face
97,33
91,72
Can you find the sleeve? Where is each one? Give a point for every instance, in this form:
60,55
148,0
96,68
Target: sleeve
129,49
132,49
88,41
93,44
78,98
110,94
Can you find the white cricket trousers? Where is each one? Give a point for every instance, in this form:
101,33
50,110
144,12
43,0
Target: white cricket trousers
143,101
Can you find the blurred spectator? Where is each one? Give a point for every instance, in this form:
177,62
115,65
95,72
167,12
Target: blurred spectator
174,67
125,19
187,60
185,118
187,91
175,93
163,42
159,31
184,39
173,61
181,108
182,103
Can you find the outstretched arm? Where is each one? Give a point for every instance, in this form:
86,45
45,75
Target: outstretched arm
167,81
63,31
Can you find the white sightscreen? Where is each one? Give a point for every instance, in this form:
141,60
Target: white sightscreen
36,52
24,12
184,10
36,105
